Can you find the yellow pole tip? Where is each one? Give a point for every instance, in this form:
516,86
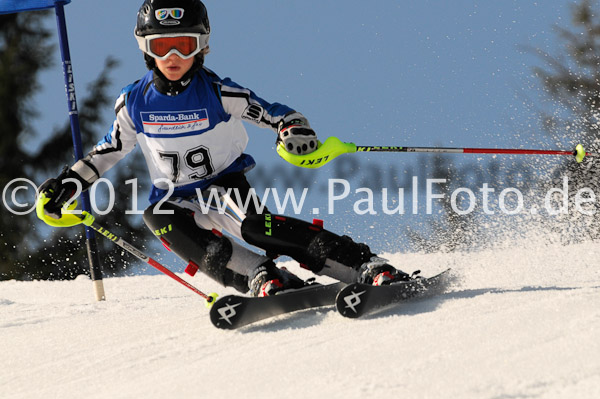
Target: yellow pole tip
212,298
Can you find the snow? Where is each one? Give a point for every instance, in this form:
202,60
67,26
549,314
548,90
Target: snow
520,322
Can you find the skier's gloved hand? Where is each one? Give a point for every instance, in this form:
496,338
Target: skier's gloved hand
296,134
61,189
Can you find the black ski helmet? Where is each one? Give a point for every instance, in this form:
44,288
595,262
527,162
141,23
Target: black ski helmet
157,17
193,19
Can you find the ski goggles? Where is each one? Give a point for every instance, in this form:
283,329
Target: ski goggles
185,45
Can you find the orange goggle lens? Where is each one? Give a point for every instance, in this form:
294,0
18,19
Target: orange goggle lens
186,45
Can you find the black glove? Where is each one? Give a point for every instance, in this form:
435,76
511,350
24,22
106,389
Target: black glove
59,191
296,134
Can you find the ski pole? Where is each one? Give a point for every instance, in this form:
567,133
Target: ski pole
334,147
474,150
89,220
70,218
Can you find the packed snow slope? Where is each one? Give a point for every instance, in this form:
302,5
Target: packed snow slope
517,323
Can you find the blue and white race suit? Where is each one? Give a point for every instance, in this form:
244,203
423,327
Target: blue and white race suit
188,140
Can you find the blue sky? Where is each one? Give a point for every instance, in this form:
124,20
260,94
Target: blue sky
414,73
390,71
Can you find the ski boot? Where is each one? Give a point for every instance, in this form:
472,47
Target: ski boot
377,271
268,279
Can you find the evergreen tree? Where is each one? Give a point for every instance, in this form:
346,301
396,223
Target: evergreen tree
571,80
28,248
24,50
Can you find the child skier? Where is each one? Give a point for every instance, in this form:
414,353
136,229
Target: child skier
187,122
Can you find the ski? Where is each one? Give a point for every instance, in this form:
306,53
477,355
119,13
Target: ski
356,300
235,311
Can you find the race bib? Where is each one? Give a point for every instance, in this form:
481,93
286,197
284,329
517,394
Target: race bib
170,122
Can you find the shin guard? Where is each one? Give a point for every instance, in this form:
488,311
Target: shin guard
317,249
205,250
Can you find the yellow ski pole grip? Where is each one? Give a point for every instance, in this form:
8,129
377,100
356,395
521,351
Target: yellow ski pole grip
325,152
